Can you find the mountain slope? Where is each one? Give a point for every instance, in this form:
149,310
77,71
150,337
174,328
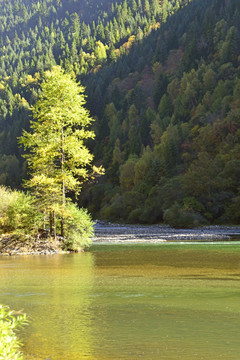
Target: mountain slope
169,132
163,82
35,35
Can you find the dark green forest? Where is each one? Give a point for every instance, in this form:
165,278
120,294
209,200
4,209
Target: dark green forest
163,84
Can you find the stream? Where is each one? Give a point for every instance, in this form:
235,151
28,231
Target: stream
129,301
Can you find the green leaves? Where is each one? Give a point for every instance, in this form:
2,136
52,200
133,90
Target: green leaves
10,321
56,142
58,159
18,214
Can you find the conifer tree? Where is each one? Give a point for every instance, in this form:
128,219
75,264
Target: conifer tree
58,160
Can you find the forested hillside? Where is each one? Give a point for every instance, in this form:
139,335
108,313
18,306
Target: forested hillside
163,82
81,36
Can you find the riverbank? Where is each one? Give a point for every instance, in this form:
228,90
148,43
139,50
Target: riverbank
106,233
10,246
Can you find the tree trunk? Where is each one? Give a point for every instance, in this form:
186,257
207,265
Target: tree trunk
63,209
54,226
44,221
51,222
63,187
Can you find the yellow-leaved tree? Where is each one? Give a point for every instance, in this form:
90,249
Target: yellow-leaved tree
58,158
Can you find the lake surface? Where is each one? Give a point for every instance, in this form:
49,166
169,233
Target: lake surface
128,302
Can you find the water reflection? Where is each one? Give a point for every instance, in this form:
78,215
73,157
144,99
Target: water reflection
128,303
54,291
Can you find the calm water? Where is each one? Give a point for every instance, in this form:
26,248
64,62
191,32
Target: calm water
128,302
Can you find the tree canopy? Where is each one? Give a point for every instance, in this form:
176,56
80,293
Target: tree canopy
58,159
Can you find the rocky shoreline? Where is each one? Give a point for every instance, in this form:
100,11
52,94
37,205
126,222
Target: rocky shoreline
10,246
106,233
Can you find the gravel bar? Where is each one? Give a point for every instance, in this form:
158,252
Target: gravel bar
118,233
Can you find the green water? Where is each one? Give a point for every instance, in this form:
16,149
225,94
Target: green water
128,302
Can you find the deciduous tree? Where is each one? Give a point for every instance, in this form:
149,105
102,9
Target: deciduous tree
58,160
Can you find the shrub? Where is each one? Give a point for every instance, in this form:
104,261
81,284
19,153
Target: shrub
18,215
151,214
194,204
9,343
78,228
233,211
24,218
133,200
179,217
6,198
116,211
134,216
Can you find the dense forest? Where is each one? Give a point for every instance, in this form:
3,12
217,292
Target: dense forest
163,83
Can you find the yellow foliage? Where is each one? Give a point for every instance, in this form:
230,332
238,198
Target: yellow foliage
84,41
25,103
95,70
129,43
117,52
195,130
30,79
98,170
17,97
37,76
131,39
